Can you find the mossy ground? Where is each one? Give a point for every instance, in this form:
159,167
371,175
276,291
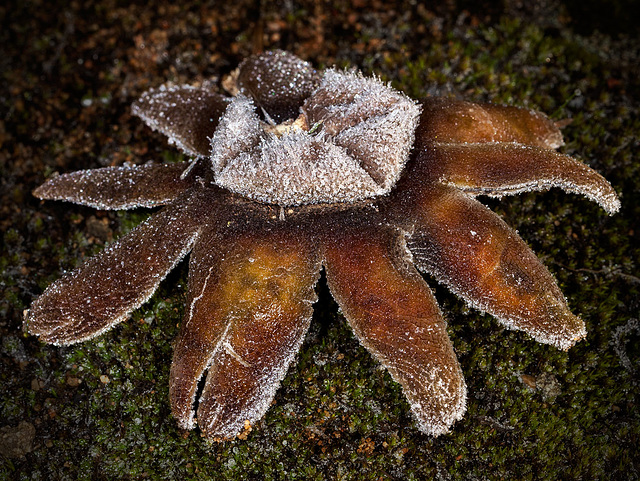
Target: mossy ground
100,409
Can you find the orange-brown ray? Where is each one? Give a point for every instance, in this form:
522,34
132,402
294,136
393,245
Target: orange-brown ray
469,248
250,305
395,316
509,168
119,187
109,286
446,120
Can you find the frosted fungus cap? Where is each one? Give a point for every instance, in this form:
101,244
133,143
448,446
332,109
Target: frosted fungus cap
349,140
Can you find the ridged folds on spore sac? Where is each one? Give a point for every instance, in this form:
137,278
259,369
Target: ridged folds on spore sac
304,170
318,158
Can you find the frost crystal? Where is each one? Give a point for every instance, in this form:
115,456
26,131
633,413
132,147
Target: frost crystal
186,114
239,131
350,142
278,81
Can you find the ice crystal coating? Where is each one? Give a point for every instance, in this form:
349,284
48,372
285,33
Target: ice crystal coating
239,132
278,81
290,137
186,114
320,157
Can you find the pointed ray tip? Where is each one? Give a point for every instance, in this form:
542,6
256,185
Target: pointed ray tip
41,191
435,422
611,203
602,192
186,421
40,327
57,333
436,426
572,331
568,342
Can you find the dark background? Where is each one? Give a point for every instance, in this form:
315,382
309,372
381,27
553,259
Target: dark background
99,410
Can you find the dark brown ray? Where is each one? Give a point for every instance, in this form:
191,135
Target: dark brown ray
119,187
446,120
187,115
471,250
250,305
278,81
395,316
507,168
109,286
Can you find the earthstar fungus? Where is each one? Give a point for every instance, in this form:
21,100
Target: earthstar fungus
301,170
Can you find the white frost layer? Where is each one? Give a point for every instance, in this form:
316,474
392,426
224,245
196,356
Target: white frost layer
359,136
239,131
298,169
